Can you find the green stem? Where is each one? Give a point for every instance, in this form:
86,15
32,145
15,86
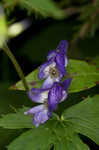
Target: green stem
16,65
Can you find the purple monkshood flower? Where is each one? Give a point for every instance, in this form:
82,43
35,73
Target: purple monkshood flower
55,67
49,99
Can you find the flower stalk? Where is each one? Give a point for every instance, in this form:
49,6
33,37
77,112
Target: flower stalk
16,66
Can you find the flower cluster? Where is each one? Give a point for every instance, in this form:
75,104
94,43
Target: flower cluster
53,91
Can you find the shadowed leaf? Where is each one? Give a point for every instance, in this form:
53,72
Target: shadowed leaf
16,120
84,117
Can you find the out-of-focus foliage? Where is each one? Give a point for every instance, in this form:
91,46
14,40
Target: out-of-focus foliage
44,7
88,16
86,12
3,27
12,30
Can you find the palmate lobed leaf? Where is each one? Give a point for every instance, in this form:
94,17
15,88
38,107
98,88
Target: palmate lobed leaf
47,136
62,134
83,75
84,118
67,139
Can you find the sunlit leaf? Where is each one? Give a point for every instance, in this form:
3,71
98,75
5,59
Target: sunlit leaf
83,76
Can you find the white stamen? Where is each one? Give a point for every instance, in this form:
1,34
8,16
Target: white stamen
45,95
46,70
57,79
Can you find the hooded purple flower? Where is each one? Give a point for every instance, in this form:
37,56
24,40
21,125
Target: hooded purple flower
50,98
55,68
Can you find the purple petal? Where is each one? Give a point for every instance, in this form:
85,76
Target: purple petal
41,117
49,82
54,96
38,95
51,54
60,63
37,90
66,84
42,74
34,109
62,47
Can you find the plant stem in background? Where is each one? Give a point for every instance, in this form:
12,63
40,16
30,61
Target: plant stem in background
16,65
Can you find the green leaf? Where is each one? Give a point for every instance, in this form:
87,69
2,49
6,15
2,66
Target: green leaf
46,136
83,75
74,144
32,80
44,7
67,139
17,120
52,133
84,117
35,139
